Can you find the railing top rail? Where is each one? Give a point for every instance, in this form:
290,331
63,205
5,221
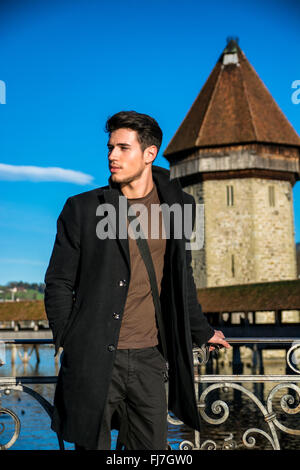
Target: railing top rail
237,340
26,341
246,378
26,380
262,340
12,381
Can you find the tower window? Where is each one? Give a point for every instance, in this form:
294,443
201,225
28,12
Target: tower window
229,194
271,196
232,266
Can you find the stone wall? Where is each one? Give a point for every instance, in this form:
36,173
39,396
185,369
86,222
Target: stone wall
274,250
249,241
198,256
298,259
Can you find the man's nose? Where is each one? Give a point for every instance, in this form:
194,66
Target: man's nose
113,154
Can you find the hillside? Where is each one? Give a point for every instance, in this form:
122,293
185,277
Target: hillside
19,290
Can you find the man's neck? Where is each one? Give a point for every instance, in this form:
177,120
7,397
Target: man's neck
137,189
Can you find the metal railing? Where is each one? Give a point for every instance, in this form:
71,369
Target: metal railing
205,384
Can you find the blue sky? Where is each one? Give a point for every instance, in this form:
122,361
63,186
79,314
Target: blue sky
68,65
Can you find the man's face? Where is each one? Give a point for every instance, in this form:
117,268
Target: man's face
125,155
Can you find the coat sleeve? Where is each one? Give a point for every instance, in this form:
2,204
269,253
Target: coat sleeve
61,274
200,328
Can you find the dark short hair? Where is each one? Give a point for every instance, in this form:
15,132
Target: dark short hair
148,131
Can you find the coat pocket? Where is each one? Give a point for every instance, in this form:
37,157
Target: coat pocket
70,325
163,363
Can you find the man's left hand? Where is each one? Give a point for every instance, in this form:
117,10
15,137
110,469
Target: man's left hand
218,338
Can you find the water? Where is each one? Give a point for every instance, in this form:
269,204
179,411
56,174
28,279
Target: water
35,423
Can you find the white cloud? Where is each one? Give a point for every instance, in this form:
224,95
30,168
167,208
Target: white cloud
38,173
22,261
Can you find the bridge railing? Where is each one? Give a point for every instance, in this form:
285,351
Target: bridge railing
212,411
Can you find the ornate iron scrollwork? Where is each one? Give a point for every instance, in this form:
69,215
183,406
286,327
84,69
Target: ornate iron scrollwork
221,410
43,402
17,428
291,352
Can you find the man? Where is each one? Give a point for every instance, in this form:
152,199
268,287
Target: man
100,305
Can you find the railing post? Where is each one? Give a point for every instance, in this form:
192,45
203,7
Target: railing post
13,353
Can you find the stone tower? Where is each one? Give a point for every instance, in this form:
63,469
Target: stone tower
237,154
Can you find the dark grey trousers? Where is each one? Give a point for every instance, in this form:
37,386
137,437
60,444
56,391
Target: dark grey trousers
136,401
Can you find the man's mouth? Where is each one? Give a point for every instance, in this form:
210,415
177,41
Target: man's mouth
113,169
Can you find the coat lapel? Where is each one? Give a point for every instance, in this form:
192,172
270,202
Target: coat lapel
119,225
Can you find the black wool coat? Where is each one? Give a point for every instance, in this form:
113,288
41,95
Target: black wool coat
86,285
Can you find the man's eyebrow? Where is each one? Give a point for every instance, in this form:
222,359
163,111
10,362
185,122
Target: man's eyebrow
124,144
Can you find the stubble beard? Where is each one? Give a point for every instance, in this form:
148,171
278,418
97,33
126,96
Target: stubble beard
126,179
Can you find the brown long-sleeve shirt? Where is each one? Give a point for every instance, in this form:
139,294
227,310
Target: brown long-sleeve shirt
138,328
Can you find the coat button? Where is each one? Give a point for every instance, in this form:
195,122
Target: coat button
122,283
111,347
116,316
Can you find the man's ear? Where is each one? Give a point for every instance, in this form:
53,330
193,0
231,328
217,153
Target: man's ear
150,154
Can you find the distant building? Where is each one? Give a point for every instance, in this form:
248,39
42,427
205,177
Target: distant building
236,152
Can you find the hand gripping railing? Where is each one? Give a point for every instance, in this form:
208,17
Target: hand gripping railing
213,382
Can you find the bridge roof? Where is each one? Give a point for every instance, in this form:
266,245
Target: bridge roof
23,310
264,296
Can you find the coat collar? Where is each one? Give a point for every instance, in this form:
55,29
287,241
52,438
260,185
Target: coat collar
169,192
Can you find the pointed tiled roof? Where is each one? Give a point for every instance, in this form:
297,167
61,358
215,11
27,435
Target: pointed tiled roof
233,107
